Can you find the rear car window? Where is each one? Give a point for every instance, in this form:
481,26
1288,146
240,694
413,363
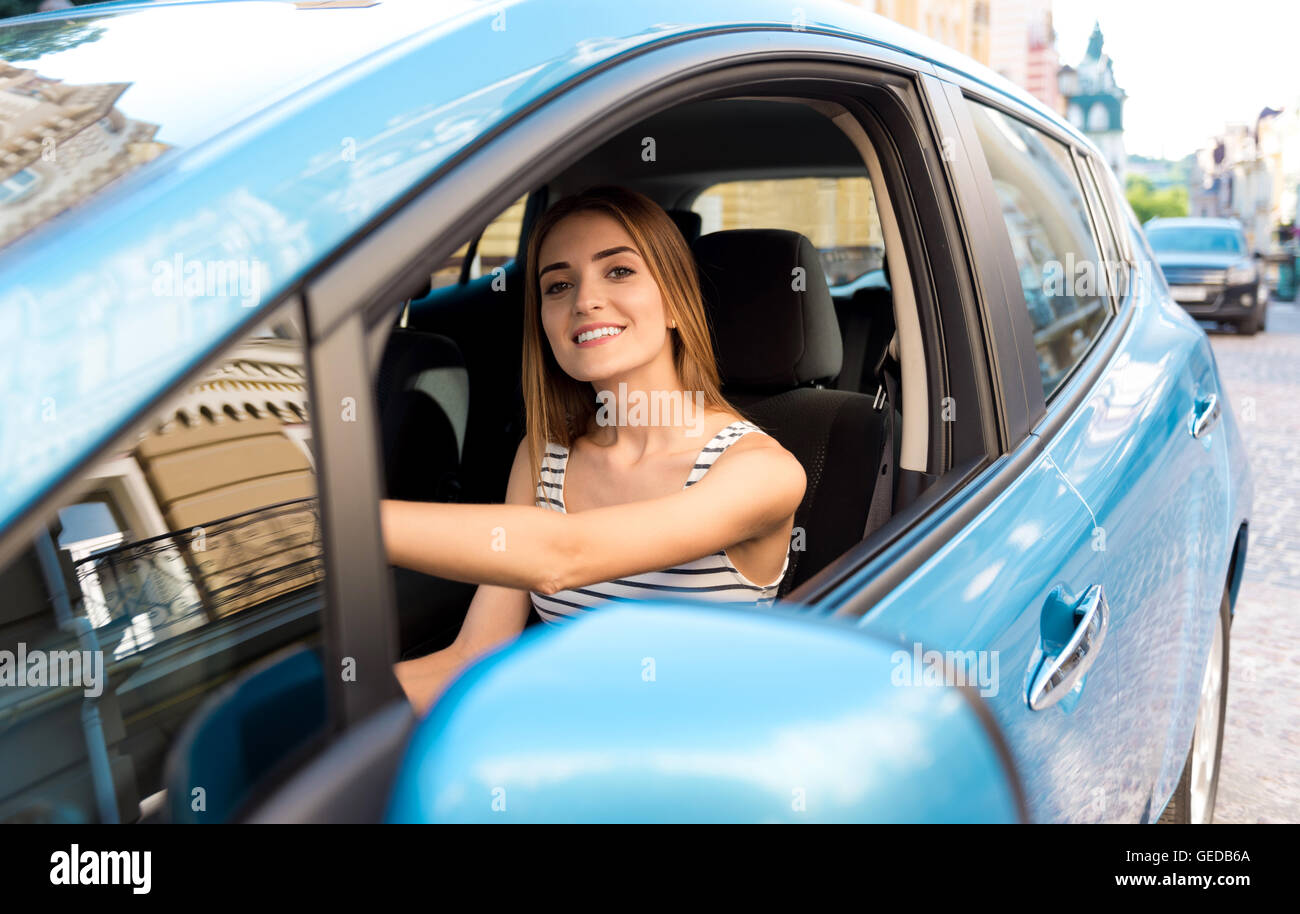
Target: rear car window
838,215
496,247
1196,239
1062,272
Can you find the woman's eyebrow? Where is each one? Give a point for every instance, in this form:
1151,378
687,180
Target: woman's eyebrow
608,252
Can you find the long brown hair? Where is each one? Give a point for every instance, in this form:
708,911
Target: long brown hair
558,408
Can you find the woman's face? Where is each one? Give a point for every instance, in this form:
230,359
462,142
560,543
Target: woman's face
601,309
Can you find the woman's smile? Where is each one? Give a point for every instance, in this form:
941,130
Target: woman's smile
589,335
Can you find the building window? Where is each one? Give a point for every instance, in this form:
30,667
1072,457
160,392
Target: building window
1098,118
18,186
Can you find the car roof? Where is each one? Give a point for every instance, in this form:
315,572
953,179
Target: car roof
89,37
235,149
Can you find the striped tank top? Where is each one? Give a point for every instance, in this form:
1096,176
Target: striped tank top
712,578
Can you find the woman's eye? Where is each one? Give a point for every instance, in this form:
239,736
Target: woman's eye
555,286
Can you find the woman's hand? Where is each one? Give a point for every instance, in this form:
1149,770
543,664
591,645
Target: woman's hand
424,679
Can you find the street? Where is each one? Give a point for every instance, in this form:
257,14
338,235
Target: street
1260,778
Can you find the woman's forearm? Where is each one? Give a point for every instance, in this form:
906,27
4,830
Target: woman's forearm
508,545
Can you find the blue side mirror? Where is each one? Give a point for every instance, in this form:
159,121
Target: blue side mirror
703,713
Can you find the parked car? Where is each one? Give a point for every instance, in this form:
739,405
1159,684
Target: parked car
241,304
1211,271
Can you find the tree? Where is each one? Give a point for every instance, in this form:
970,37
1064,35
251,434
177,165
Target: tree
1148,203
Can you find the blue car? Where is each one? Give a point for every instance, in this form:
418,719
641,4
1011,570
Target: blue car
246,296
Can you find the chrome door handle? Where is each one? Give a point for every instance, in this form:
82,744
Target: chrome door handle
1061,672
1205,415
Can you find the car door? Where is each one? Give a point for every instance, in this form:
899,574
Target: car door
1009,589
1119,395
1121,436
1148,451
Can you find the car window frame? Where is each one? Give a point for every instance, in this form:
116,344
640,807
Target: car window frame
394,256
1100,224
1009,343
1089,164
1041,405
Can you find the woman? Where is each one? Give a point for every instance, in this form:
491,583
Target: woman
687,499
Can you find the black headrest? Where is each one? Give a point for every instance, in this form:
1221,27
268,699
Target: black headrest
774,328
423,394
688,222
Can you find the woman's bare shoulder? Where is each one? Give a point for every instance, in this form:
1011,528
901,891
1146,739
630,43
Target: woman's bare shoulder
776,456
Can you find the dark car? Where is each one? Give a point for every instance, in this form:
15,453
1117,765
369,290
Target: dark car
1211,271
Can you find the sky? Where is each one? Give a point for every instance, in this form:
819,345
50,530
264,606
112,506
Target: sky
1188,66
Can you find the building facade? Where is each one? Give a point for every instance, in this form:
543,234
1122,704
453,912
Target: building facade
960,24
1251,172
1094,102
60,143
1022,47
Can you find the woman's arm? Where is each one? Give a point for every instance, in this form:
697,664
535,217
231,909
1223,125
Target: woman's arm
749,489
496,615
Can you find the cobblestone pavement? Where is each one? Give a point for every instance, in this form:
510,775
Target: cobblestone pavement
1260,777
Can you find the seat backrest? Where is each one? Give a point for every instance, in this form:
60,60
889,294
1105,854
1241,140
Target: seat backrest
839,439
243,733
423,394
867,326
777,339
485,318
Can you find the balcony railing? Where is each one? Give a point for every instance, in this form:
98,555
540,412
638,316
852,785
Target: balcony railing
159,587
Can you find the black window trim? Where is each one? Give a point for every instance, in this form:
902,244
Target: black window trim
1008,347
1097,219
1123,246
1109,186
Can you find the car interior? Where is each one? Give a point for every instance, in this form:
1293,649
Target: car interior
820,369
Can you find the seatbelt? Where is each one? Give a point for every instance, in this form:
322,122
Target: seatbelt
882,496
